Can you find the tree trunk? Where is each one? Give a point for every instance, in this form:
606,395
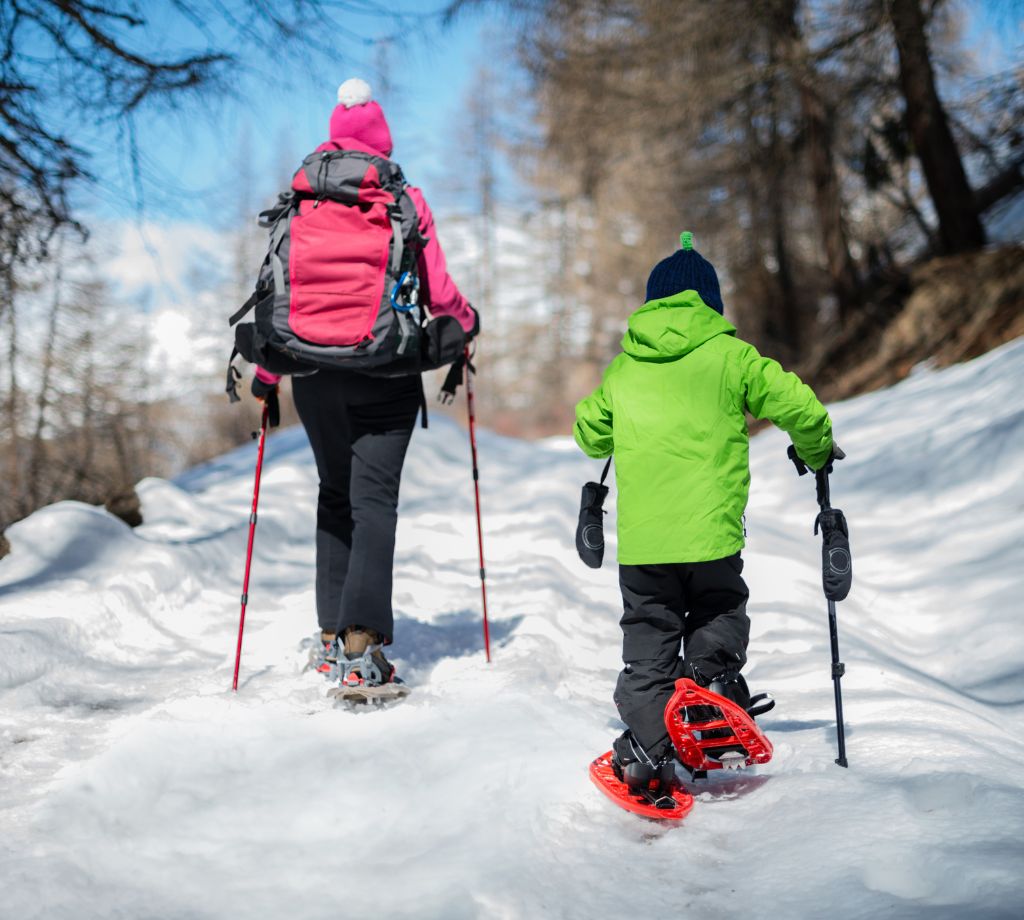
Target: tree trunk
39,492
960,228
792,313
484,136
818,135
776,314
13,508
828,199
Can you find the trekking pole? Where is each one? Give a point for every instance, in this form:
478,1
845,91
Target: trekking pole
476,488
836,576
252,534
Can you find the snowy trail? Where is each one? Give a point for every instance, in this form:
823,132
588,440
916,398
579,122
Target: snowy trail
134,784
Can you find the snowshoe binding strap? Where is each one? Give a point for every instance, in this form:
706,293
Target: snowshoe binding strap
707,730
323,657
233,376
653,782
364,670
759,704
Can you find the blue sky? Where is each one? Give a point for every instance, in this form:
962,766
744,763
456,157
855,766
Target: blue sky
192,156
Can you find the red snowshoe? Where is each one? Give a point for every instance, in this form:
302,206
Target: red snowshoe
711,732
661,799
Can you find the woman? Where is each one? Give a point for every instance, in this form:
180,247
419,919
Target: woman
359,428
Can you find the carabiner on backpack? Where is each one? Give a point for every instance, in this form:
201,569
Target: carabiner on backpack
406,292
404,297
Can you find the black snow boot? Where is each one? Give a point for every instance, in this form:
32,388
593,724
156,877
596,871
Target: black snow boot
733,686
638,769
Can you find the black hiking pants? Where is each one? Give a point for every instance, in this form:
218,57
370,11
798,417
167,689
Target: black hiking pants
699,606
359,428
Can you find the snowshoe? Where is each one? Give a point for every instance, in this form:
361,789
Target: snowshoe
711,731
323,656
366,676
651,792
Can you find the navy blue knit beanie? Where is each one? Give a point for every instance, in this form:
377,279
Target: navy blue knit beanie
685,270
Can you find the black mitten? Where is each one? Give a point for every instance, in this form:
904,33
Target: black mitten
590,529
836,562
267,393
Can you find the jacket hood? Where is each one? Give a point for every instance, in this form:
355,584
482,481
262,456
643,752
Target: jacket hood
672,327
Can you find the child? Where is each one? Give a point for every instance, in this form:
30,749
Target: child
671,408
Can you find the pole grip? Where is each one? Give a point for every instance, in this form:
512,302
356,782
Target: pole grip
801,467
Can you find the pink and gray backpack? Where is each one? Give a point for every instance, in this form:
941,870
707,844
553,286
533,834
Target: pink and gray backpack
338,287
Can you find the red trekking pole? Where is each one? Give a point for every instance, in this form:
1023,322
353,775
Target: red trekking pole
252,534
476,489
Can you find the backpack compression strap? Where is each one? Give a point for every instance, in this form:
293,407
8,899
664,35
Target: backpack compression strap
234,375
254,298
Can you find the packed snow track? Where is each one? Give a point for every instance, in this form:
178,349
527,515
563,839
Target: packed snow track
135,784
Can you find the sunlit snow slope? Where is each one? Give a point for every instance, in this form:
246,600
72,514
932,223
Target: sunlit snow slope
134,784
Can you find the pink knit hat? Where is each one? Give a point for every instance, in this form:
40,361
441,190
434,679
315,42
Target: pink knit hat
357,116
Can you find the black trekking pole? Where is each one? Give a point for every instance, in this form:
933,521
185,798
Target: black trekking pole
836,574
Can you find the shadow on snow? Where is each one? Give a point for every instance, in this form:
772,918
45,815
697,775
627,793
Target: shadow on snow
420,645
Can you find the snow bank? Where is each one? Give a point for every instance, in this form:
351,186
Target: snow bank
136,785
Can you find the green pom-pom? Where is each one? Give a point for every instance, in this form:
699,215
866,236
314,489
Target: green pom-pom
686,240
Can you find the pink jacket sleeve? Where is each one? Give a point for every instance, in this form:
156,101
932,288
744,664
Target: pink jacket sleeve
437,288
266,376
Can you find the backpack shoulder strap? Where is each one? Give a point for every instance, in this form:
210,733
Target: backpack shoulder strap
410,219
271,216
276,235
274,219
397,240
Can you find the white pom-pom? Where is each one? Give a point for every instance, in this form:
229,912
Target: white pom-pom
354,92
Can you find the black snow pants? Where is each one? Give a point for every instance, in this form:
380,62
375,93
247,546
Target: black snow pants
359,428
701,606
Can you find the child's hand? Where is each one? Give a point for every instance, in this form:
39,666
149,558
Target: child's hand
836,453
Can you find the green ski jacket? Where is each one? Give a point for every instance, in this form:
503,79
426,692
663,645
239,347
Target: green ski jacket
671,409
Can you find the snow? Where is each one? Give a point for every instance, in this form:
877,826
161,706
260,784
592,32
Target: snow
135,784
